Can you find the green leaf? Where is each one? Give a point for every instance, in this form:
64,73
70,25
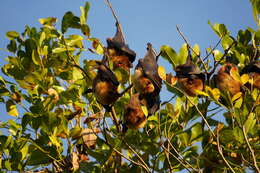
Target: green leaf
244,37
75,41
169,54
24,151
12,47
196,133
2,81
36,58
42,38
75,132
145,110
226,42
62,49
85,30
183,54
196,49
7,164
256,38
84,13
49,21
184,138
37,157
219,29
70,21
217,54
11,108
121,75
12,35
238,134
4,92
250,122
223,30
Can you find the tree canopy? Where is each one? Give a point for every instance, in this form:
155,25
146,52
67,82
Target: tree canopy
62,128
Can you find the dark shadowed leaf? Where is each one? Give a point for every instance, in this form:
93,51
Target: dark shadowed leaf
70,21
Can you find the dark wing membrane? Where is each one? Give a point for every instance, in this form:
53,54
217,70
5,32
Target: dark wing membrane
187,69
118,42
108,75
150,71
252,67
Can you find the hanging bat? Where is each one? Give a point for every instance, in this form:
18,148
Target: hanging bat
146,79
117,49
225,82
105,86
134,116
190,78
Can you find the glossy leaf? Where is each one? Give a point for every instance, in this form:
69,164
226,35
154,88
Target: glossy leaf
12,35
169,54
49,21
11,108
70,21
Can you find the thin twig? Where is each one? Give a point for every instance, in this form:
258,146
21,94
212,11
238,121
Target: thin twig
251,150
221,153
113,115
186,41
214,48
168,101
139,157
204,119
118,152
128,88
176,158
75,64
167,156
114,15
175,150
216,63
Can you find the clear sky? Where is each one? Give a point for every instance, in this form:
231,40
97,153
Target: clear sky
142,21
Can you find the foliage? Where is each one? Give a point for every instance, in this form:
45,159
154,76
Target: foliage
61,128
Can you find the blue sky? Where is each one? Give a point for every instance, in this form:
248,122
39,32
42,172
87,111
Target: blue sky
142,21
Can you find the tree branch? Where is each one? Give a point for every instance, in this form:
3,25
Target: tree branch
186,41
251,150
221,153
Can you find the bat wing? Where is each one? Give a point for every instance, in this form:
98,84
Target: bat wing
118,42
150,67
108,75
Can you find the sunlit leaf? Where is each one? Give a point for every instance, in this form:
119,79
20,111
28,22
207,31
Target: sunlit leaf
49,21
11,108
183,54
12,35
236,96
234,73
184,138
169,54
145,110
244,78
61,49
196,50
250,122
226,42
196,132
162,72
217,54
